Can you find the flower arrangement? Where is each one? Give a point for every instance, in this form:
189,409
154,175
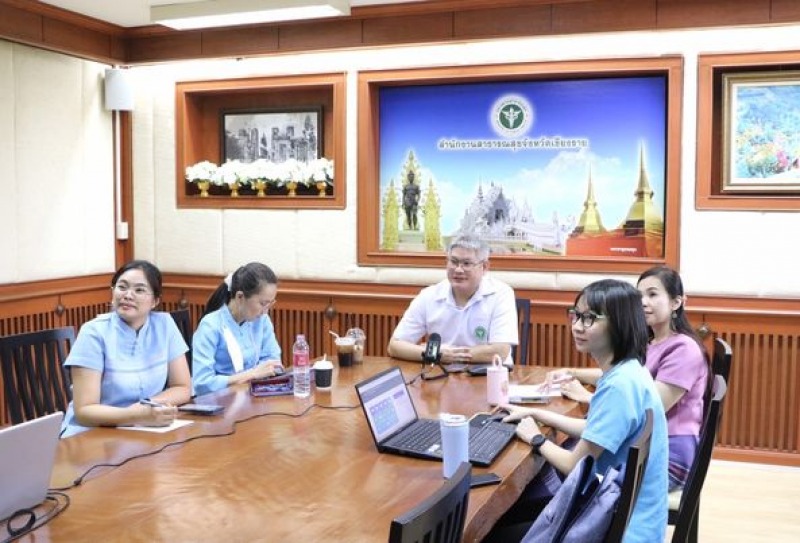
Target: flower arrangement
260,172
320,169
229,174
202,171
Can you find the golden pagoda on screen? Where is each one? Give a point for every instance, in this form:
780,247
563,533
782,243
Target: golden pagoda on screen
640,235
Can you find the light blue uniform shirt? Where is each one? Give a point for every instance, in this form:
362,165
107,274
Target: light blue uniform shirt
211,361
134,366
616,417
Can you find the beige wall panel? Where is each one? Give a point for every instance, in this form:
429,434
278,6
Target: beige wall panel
8,186
63,166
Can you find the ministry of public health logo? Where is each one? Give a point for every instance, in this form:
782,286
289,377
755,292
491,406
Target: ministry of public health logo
512,116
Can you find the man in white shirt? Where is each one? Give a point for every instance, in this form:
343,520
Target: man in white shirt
475,314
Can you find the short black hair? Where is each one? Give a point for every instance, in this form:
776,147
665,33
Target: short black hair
621,303
151,273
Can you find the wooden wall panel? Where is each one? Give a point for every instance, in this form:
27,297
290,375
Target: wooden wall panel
497,23
700,13
605,16
408,29
320,35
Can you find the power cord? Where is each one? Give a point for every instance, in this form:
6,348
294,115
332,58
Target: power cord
58,502
232,431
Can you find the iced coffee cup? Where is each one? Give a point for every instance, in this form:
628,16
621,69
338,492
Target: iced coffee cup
345,347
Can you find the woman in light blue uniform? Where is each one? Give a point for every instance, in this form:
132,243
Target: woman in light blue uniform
235,340
128,355
608,323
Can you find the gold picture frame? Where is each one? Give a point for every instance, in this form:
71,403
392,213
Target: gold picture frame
761,133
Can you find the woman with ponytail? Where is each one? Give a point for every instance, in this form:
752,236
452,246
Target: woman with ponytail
235,341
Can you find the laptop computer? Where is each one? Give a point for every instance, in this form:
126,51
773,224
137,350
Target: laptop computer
28,452
397,429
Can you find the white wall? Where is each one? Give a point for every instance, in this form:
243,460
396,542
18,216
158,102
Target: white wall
56,186
741,253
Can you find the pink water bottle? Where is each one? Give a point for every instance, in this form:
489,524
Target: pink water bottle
497,382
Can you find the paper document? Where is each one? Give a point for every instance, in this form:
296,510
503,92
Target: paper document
177,423
527,391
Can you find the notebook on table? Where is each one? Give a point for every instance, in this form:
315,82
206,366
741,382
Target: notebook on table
397,429
29,452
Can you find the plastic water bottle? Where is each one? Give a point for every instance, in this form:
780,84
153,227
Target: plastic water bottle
301,367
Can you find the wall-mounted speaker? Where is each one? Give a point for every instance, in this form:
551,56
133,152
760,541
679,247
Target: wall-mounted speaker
119,91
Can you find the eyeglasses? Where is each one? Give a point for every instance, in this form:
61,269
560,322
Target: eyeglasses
587,318
466,265
139,291
268,304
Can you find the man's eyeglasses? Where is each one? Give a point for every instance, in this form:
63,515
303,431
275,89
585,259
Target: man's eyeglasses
587,318
466,265
139,291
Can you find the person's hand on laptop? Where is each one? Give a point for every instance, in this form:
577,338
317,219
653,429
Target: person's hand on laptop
515,412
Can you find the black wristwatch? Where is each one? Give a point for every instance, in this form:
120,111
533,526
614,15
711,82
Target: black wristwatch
537,441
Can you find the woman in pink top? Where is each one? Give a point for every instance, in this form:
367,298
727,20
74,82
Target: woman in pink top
677,360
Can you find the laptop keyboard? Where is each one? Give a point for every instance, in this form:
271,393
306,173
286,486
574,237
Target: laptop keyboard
485,440
424,437
483,443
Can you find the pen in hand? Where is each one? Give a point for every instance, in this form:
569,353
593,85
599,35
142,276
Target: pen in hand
151,403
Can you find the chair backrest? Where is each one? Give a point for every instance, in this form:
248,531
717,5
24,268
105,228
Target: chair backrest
440,517
520,352
635,465
721,361
690,497
184,321
35,381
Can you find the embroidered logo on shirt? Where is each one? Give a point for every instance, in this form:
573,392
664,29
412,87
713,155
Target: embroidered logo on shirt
480,333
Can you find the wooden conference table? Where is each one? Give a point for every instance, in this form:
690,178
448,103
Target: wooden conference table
312,478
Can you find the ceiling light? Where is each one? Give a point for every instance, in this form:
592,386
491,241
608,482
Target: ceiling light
213,13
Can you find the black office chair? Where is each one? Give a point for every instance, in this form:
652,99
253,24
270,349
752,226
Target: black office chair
721,361
440,517
35,381
520,352
635,466
684,506
183,319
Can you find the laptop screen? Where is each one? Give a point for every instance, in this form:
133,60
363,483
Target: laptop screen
27,455
387,403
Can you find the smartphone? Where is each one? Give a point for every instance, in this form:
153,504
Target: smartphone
199,409
529,399
485,479
477,370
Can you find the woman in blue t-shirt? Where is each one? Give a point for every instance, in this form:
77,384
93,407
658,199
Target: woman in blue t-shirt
235,341
608,323
128,355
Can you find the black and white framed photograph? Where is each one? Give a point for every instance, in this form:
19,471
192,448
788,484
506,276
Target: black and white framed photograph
276,135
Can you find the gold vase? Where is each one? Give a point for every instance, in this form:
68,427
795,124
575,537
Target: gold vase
322,187
234,189
292,186
260,186
203,186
